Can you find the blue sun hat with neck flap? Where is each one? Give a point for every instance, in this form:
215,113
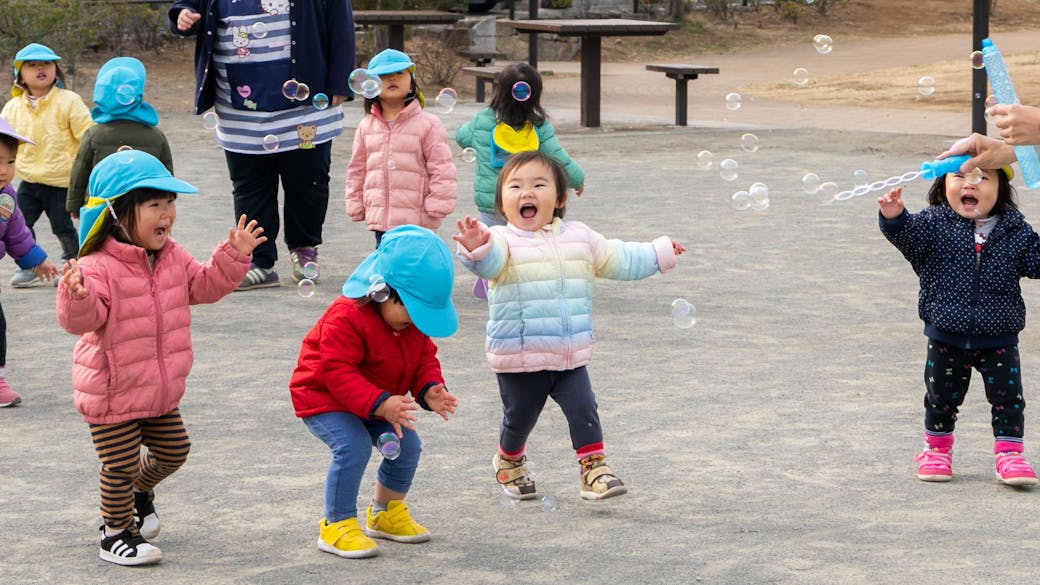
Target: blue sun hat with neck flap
116,175
119,93
418,265
32,52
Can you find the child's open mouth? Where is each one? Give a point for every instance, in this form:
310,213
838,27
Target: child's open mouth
528,210
969,201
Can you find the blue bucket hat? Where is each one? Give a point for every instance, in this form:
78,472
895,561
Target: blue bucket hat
419,266
31,52
119,93
117,174
390,61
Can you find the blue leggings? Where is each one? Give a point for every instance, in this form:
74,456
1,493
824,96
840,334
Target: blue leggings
947,373
351,440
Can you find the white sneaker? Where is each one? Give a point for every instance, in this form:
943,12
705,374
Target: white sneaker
25,278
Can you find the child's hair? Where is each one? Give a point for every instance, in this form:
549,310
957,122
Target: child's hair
413,93
1007,197
533,156
510,110
59,78
124,208
10,142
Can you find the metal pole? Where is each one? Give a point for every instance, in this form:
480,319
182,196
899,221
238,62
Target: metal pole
532,38
979,31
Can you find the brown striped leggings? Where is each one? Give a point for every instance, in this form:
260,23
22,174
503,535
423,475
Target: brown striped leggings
125,468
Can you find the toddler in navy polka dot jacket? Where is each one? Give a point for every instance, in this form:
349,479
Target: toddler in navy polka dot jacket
970,248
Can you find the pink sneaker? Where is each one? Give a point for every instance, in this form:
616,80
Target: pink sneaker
8,397
1013,469
934,464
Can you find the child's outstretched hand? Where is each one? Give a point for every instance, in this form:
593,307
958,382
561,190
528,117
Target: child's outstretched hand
246,237
578,191
891,203
472,234
46,271
677,248
398,411
73,280
441,401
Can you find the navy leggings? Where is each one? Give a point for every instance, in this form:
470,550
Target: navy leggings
947,373
523,397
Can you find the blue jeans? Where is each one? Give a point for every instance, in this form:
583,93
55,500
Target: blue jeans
351,441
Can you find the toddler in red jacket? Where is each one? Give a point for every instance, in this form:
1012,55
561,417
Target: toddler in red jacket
363,370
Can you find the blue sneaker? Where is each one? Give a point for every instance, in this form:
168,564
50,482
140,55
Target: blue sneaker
259,278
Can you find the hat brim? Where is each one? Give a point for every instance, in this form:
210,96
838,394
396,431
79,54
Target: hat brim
90,217
390,68
356,286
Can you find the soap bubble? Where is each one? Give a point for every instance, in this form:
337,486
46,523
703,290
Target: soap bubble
811,183
210,120
445,100
548,504
926,85
469,154
974,176
310,270
801,76
303,91
364,83
704,159
823,43
259,30
728,169
306,288
290,88
740,200
270,143
861,176
506,500
684,314
827,192
126,94
389,446
521,91
749,142
759,194
733,100
976,60
320,101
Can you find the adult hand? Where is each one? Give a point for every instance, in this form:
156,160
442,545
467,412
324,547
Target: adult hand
985,152
246,237
891,203
73,280
398,411
187,19
338,99
1018,124
441,401
472,234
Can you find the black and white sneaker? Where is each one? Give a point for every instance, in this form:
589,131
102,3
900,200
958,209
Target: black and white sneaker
128,548
144,514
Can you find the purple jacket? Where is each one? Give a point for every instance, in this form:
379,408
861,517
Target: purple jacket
15,238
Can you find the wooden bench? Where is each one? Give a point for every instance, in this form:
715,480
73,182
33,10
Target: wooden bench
483,75
479,56
681,74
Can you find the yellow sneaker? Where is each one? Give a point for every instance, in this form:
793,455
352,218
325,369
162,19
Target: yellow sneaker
345,539
395,524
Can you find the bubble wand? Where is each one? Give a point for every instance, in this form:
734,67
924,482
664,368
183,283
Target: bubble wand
1000,81
929,171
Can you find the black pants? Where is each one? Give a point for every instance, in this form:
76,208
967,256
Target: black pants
523,397
36,199
304,176
947,373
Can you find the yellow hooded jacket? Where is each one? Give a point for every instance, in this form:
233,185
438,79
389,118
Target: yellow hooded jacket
56,125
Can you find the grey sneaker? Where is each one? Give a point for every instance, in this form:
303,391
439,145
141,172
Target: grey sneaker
304,263
259,278
25,278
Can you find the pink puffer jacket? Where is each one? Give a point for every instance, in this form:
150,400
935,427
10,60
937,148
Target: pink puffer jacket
402,173
134,353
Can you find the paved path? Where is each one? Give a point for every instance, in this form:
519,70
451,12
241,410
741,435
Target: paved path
770,443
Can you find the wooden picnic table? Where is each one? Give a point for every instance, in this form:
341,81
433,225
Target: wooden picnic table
591,32
395,21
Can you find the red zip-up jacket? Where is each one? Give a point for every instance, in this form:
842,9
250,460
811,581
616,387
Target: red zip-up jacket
352,360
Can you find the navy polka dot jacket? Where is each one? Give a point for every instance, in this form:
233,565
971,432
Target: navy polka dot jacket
967,300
